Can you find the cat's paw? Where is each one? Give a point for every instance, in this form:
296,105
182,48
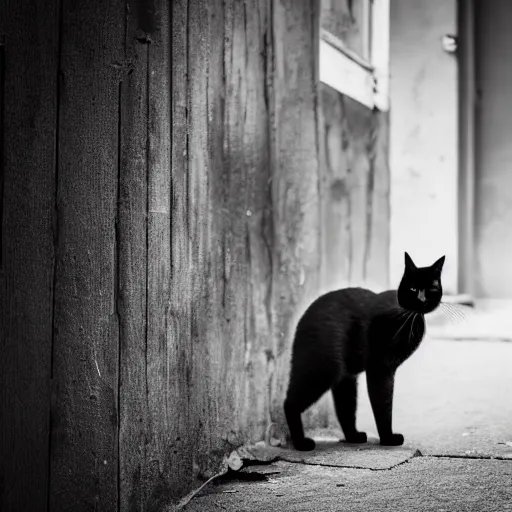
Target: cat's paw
305,444
356,438
392,440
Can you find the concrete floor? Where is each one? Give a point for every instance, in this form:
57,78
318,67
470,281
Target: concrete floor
452,397
453,403
421,485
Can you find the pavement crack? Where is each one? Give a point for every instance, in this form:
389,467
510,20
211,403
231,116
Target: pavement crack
417,453
470,457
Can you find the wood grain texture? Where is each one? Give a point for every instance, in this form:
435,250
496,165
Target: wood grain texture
133,255
179,315
250,115
145,258
28,43
238,259
201,287
160,417
84,441
295,180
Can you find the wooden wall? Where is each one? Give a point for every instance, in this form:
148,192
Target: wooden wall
160,230
165,218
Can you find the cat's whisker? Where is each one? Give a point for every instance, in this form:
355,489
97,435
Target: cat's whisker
453,319
399,316
403,313
458,319
416,315
453,311
446,306
412,327
447,311
454,307
408,316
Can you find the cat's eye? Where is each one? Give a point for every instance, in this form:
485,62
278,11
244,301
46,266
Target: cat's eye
414,290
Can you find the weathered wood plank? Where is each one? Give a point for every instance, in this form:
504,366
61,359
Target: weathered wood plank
28,78
145,262
133,251
249,130
160,417
179,324
239,260
204,327
84,441
211,174
295,183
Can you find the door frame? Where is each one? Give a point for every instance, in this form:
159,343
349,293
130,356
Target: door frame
467,140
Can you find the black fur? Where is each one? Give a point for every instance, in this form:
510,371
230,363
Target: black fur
349,331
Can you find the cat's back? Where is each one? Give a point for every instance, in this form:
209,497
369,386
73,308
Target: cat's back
353,298
332,331
339,307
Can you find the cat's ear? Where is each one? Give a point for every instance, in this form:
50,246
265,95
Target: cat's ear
438,265
409,264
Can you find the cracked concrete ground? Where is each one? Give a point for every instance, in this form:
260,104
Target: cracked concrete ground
423,484
453,403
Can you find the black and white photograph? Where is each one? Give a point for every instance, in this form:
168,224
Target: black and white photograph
255,255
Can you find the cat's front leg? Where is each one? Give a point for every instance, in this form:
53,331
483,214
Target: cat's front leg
380,384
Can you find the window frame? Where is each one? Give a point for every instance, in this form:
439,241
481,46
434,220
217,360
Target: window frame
364,78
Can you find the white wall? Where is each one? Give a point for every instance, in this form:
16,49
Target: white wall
423,137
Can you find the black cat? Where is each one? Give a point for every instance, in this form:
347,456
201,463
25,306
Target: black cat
349,331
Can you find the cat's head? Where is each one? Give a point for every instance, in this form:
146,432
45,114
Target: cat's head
420,289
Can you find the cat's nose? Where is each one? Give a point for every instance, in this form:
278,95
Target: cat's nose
421,295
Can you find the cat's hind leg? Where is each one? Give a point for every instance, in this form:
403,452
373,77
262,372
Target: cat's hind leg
302,395
344,395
